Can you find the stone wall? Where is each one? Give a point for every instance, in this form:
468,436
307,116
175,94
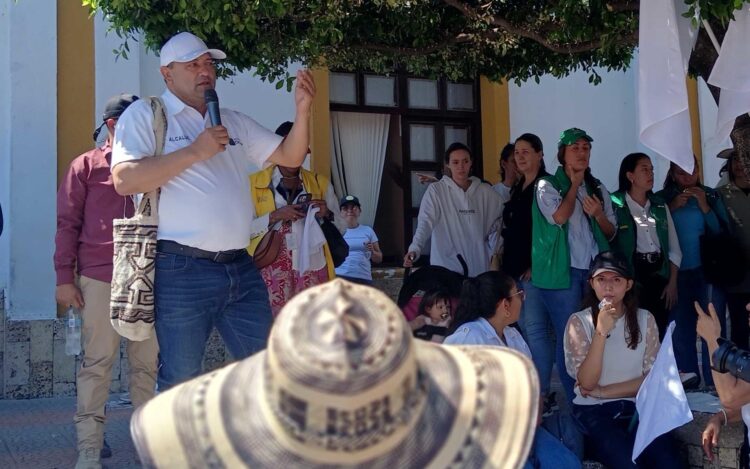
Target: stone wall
33,363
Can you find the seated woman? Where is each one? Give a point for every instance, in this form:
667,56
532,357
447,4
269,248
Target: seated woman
489,304
610,346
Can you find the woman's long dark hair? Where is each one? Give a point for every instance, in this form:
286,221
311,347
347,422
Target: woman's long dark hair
505,155
588,178
630,303
480,295
628,166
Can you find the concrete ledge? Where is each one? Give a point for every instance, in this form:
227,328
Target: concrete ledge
727,455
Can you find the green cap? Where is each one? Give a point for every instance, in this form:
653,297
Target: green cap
570,136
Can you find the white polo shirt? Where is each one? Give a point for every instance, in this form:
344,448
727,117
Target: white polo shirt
207,206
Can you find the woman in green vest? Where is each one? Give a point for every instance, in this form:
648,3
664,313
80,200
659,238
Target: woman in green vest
646,237
572,221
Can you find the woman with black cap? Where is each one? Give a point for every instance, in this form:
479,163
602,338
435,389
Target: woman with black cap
362,241
610,347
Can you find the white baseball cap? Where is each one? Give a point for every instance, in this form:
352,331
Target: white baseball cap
184,47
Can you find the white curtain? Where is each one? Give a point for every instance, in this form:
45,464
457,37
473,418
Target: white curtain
359,142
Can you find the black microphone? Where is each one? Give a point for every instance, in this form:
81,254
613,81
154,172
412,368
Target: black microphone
212,102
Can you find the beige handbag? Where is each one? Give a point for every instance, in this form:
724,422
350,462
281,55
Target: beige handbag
132,296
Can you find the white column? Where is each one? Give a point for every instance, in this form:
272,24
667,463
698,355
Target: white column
28,156
4,140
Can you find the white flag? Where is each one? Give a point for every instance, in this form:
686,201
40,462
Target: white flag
661,401
665,40
731,73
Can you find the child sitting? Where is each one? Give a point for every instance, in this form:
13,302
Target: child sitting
434,317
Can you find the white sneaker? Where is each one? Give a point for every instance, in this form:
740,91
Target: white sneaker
88,458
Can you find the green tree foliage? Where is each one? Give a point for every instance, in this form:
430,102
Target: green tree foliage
501,39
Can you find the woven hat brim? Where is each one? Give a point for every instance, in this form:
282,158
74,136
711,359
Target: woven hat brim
479,410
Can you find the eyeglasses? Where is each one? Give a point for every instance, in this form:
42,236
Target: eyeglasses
520,293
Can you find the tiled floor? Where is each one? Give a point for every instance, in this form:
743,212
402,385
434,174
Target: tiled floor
39,434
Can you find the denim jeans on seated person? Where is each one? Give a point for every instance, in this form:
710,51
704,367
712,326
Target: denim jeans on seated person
611,441
560,305
194,295
548,452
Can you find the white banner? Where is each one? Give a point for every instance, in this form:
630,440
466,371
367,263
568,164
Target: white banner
665,40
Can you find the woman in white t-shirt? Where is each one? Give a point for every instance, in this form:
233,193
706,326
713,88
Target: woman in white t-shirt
610,346
363,244
489,304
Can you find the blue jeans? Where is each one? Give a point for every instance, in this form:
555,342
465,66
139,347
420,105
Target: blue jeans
535,325
560,305
548,452
611,441
193,296
691,287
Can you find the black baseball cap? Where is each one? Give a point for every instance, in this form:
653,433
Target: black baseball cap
114,108
609,261
349,199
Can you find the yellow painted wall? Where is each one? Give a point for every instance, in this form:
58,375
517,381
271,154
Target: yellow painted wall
495,125
320,125
75,82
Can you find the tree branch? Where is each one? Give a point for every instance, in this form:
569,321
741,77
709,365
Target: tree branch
504,24
414,51
623,6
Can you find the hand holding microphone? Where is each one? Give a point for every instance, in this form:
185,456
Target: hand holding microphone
212,103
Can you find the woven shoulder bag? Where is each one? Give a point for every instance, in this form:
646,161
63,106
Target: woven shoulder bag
132,297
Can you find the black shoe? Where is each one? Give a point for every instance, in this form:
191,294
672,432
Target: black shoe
106,451
550,405
690,381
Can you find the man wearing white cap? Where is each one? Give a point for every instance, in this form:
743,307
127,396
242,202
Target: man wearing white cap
204,277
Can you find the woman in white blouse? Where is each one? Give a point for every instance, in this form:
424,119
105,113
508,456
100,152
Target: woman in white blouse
489,304
610,346
646,237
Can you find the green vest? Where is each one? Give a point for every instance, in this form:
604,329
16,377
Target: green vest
625,234
550,255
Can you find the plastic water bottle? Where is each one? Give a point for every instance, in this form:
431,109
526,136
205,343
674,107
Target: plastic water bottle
73,331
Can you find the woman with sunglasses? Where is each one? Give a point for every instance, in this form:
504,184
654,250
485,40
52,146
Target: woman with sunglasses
488,305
